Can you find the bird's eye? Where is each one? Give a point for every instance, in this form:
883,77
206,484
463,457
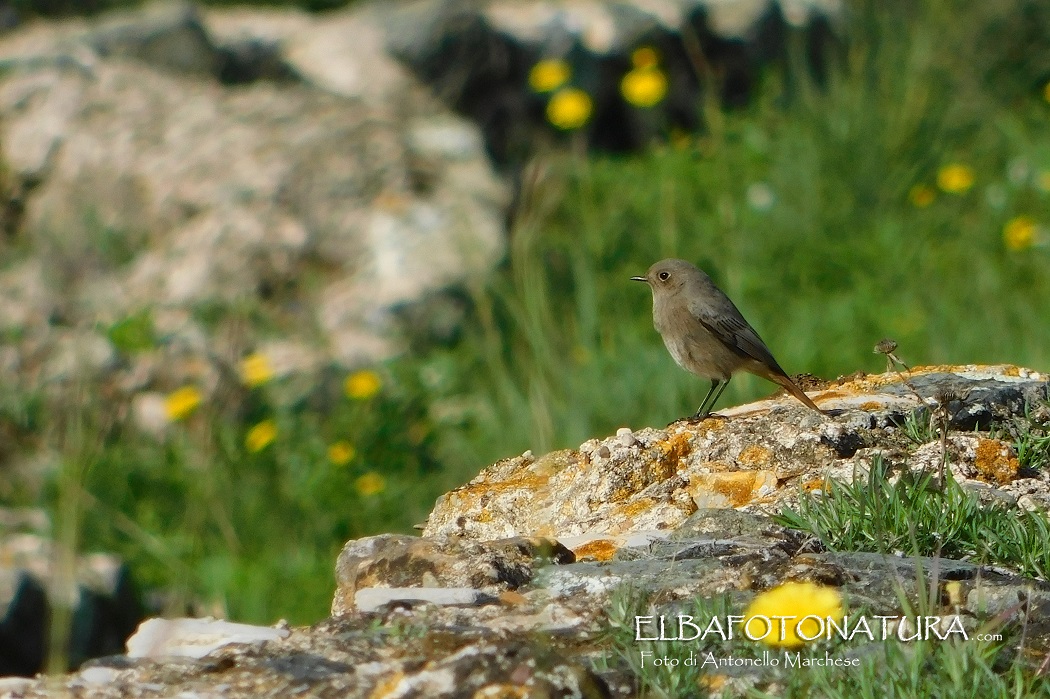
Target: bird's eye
664,276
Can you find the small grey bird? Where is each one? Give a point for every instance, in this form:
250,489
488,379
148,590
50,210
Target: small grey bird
706,334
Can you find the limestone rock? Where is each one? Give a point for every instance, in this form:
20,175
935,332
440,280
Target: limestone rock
149,184
391,560
754,456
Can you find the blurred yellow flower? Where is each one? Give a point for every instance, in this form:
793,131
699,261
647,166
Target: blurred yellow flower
644,87
362,385
644,57
256,369
1046,92
796,600
955,178
340,453
181,402
1042,181
921,195
549,74
1019,232
569,108
370,483
260,436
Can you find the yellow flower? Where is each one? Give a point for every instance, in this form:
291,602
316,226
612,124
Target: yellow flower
1042,181
644,57
260,436
795,600
340,453
921,195
370,483
1019,232
182,402
549,74
569,108
644,87
362,385
1046,92
256,369
955,178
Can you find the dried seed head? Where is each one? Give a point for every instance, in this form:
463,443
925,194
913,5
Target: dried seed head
885,346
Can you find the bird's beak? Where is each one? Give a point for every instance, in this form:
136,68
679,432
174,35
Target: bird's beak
639,279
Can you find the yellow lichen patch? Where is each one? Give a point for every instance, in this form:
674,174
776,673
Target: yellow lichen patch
754,456
637,507
675,448
994,462
598,550
870,405
737,487
386,686
813,484
1011,370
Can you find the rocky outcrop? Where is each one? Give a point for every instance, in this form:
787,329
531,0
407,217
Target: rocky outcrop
101,596
754,457
643,522
153,180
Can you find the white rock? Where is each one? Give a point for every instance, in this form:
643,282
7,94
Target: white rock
194,638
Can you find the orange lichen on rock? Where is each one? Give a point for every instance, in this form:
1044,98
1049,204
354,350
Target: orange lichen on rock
813,485
737,487
870,405
995,463
754,456
597,550
675,448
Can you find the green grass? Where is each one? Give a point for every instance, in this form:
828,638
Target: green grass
560,346
913,515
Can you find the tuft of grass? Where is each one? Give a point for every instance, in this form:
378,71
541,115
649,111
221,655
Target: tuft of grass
915,516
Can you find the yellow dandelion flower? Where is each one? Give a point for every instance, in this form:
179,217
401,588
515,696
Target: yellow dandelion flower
955,178
569,108
181,402
800,602
549,74
1019,232
1046,92
256,369
260,436
1042,181
341,453
362,385
370,483
921,196
644,87
644,57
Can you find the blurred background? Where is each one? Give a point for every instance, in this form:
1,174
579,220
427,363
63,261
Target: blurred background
274,276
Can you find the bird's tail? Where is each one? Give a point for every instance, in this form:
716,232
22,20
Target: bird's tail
790,387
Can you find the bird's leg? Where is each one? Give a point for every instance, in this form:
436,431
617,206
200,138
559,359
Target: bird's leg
717,386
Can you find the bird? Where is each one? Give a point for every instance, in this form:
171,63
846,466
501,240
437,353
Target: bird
706,334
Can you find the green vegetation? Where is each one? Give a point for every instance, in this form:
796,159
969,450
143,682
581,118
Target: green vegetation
914,516
909,198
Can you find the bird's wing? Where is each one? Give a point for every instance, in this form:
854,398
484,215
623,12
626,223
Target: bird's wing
730,327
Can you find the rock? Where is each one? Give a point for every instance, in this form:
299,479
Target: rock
104,601
396,561
752,457
370,599
194,638
151,187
